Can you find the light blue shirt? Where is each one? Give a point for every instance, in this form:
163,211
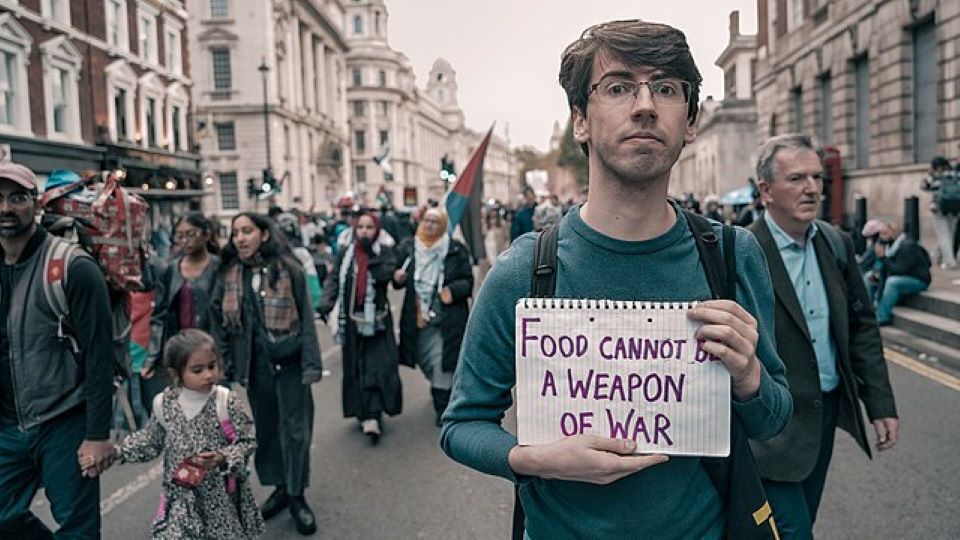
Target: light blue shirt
804,271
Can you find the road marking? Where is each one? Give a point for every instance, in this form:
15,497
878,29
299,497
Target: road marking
131,488
922,369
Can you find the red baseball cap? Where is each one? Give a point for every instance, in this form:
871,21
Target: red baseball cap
19,174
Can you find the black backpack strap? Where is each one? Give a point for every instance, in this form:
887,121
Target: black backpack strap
543,281
717,264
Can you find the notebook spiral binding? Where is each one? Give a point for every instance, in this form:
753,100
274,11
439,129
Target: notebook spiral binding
604,304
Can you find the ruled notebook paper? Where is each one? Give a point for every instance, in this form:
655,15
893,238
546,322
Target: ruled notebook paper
620,369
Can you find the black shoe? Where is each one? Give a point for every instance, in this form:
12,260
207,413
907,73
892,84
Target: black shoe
303,516
275,503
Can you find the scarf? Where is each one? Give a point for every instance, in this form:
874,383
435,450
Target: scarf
428,271
363,259
279,306
366,322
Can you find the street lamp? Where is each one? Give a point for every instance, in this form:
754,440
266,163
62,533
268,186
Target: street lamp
263,69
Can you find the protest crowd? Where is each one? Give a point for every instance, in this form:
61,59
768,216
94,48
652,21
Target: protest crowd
210,315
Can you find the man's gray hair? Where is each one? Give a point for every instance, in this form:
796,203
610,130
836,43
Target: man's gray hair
790,141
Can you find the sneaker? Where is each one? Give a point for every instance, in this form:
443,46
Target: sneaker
371,428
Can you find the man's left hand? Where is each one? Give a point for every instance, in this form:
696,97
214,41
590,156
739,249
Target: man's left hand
730,333
102,453
888,432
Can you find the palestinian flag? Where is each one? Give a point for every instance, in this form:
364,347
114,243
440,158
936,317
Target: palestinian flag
141,307
465,198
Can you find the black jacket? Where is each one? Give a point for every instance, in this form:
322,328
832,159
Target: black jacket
910,259
458,276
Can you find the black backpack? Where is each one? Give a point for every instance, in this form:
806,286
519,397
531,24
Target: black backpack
746,508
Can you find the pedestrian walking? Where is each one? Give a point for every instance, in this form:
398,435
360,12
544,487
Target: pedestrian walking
262,322
55,376
435,302
205,438
182,295
358,284
826,334
632,88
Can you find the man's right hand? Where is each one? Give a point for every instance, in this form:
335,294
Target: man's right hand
582,458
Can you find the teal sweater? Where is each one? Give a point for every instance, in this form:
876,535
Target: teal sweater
672,500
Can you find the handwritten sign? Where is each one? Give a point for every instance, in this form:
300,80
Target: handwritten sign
621,369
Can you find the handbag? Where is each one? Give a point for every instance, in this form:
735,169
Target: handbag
282,351
189,474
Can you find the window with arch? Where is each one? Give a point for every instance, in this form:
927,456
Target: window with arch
121,91
15,44
357,24
176,117
151,100
61,63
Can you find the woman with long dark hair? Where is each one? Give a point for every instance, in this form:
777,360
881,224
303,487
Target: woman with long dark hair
262,322
436,274
359,280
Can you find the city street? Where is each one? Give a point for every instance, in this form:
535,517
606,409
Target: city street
406,488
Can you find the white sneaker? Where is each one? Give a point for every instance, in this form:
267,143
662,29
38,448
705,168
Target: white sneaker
370,427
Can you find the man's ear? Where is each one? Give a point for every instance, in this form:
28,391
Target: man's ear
580,132
764,188
690,133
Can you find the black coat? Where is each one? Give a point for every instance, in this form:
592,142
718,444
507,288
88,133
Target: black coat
458,276
368,362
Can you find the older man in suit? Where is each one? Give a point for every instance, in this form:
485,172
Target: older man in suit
826,333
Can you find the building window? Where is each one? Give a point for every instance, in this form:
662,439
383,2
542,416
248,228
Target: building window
8,85
357,77
796,100
925,103
116,20
357,24
360,141
360,174
383,77
15,45
176,116
826,109
219,9
229,193
56,10
175,134
147,25
384,108
222,77
861,70
151,122
60,79
226,136
358,109
794,14
730,83
120,124
384,137
171,43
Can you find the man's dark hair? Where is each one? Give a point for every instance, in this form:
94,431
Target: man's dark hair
635,43
939,163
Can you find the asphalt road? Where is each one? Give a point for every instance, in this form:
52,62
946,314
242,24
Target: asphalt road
406,488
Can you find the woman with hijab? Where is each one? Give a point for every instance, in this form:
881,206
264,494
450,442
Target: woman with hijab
262,323
359,279
435,302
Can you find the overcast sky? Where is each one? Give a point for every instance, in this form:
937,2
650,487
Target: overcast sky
507,52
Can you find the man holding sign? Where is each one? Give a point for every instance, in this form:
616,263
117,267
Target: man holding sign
633,91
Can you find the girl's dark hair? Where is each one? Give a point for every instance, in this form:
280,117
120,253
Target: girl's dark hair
274,252
201,222
179,348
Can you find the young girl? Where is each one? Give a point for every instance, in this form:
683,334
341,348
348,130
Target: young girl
205,438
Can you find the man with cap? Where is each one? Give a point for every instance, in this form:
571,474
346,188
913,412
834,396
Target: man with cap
55,376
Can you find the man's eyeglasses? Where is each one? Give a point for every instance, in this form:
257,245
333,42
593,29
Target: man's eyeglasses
188,235
17,199
619,92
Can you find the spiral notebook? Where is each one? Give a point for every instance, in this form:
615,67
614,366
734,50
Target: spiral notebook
622,369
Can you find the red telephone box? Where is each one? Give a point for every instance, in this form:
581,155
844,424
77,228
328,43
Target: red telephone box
833,185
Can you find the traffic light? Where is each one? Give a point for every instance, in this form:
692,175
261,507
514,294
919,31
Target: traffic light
447,171
267,185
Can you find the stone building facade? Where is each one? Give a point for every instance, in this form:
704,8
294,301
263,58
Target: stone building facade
719,160
413,128
294,52
91,85
876,79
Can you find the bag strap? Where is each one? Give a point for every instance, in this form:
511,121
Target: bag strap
222,399
56,260
543,281
834,242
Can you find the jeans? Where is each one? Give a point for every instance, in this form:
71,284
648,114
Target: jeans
945,227
795,504
895,287
47,455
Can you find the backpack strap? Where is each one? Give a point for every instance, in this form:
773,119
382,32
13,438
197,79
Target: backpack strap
56,260
222,398
543,282
834,242
718,262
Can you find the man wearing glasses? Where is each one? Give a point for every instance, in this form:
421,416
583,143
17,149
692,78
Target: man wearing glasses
55,404
632,89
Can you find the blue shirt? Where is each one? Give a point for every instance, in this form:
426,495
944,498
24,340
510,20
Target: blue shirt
673,500
804,271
